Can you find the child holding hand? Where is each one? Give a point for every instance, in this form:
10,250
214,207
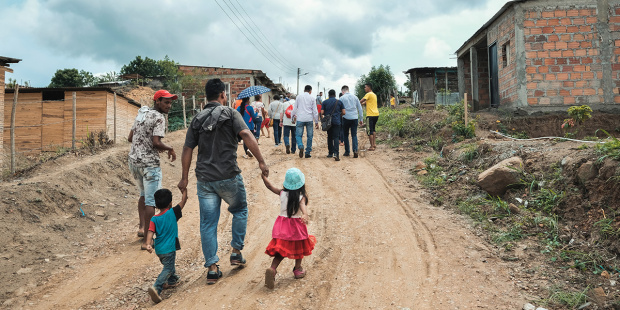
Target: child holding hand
290,234
164,225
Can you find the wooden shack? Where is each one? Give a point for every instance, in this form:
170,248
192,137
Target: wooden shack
5,62
44,116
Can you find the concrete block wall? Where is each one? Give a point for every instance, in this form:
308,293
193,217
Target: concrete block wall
563,62
484,95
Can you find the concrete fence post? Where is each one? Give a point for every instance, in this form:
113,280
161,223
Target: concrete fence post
13,128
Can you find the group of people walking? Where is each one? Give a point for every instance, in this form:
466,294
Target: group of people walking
296,115
216,131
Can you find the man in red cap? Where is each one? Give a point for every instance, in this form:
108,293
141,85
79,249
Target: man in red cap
145,136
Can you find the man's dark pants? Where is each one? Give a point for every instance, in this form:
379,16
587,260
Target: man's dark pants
333,140
350,125
277,131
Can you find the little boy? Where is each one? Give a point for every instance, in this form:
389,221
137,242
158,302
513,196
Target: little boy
164,225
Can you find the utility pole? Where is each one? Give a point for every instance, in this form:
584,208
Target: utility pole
318,86
297,82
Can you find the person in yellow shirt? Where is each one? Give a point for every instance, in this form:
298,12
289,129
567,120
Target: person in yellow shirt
392,101
372,114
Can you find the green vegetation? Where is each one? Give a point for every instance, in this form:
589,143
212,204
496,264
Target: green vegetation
456,119
564,298
435,176
607,229
471,152
72,78
399,123
610,148
383,84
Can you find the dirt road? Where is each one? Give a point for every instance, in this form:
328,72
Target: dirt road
380,246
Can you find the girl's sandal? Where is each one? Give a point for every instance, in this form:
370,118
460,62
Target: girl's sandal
299,273
270,278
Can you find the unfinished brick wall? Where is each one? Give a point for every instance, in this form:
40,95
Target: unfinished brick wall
563,63
467,77
503,33
239,79
614,27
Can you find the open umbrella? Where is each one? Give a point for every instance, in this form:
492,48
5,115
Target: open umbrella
253,91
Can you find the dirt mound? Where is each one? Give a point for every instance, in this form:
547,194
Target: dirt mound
51,219
140,94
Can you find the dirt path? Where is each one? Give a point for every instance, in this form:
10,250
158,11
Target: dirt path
380,246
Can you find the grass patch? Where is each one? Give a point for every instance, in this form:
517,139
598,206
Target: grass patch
399,123
561,297
471,152
435,175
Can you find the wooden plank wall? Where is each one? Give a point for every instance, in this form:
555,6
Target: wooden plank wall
28,113
50,123
91,115
125,115
2,123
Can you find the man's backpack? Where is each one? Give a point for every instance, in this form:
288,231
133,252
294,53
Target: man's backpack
288,111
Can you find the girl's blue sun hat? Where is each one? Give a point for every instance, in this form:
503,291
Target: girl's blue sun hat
294,179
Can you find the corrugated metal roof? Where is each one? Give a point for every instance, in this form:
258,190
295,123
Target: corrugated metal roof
429,68
38,90
5,61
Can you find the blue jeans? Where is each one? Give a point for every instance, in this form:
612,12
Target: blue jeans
299,128
277,131
168,274
350,125
148,180
333,140
290,131
257,122
210,195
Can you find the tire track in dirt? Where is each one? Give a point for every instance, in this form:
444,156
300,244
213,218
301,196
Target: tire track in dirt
426,241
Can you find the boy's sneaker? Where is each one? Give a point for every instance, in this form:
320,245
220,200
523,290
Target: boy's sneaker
301,152
213,276
237,259
168,285
154,295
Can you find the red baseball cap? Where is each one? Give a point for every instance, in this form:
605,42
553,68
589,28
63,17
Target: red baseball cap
162,93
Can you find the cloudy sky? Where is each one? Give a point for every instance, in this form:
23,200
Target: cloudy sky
333,41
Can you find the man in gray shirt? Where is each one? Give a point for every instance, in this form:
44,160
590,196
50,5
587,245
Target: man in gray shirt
216,131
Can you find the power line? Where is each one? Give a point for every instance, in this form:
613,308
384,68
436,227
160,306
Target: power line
264,36
244,22
218,4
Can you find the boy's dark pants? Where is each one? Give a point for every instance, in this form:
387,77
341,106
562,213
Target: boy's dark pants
168,274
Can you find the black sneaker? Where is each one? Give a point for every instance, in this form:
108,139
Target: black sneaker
336,158
355,155
288,149
237,259
213,276
301,152
308,156
330,156
346,154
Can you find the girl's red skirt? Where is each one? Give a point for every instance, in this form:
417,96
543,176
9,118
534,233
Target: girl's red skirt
292,249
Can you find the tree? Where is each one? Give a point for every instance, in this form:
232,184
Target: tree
146,67
408,86
383,84
72,78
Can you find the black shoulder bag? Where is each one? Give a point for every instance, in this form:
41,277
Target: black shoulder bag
326,121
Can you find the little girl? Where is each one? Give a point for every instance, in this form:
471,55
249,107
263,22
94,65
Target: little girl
290,234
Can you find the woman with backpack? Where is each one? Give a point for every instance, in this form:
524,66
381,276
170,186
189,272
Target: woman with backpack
286,122
248,116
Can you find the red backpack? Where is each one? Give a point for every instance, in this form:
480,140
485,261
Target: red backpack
288,111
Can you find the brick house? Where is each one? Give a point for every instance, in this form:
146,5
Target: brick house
434,85
4,67
544,55
236,80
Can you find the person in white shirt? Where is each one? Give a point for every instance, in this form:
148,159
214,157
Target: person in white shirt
304,113
275,110
286,122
